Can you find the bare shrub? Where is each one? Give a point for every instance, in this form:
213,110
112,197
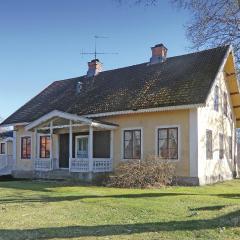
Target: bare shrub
150,172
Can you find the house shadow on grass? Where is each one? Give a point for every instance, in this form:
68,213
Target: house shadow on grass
209,208
81,197
229,220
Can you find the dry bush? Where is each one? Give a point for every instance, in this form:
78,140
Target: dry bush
150,172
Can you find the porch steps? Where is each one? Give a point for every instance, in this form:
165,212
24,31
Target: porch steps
64,174
58,174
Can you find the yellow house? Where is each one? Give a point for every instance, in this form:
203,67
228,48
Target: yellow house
184,109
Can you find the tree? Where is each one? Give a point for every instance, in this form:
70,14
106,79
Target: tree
213,23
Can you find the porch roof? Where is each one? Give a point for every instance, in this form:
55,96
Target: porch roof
71,117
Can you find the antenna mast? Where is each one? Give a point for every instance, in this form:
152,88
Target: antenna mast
95,53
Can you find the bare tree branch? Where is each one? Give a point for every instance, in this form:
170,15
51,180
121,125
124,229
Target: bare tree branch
213,23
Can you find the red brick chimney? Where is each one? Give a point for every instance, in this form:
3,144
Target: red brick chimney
159,54
94,67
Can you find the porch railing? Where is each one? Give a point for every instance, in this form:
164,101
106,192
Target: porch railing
77,165
3,161
99,165
43,164
102,165
6,162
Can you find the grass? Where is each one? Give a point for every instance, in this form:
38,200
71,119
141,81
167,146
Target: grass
61,210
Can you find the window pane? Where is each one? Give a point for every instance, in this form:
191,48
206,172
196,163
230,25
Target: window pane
132,144
230,147
173,153
221,152
128,148
136,144
127,135
225,103
168,143
216,98
162,133
26,147
44,146
173,133
163,148
82,151
209,153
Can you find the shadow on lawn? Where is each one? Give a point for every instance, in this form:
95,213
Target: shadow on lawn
80,197
229,220
209,208
38,185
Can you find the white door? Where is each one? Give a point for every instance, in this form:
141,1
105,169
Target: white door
82,146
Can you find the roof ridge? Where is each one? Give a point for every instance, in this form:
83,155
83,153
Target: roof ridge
139,64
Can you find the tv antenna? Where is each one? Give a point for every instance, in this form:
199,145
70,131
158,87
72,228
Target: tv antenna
95,53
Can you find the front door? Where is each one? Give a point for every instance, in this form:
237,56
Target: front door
64,151
82,146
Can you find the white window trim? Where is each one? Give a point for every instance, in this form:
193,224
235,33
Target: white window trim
122,142
229,148
79,137
214,95
224,151
5,148
179,141
20,152
209,159
38,145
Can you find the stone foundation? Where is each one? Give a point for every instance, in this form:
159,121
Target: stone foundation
61,174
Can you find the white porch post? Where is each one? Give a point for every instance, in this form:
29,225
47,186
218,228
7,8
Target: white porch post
14,150
36,147
70,145
90,148
51,143
111,147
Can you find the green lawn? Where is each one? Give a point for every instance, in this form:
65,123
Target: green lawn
50,210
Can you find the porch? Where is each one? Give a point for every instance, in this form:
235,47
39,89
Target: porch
6,157
73,143
6,164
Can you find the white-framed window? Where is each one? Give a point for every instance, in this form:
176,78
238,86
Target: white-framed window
44,146
216,98
209,143
168,142
26,143
230,147
132,143
225,104
81,146
2,148
221,146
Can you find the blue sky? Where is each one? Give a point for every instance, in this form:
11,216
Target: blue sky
41,41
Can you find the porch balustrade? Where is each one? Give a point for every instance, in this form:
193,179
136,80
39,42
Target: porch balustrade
3,161
77,165
99,165
6,163
43,164
102,165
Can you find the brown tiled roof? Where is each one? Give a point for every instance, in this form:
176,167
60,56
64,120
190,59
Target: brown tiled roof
180,80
